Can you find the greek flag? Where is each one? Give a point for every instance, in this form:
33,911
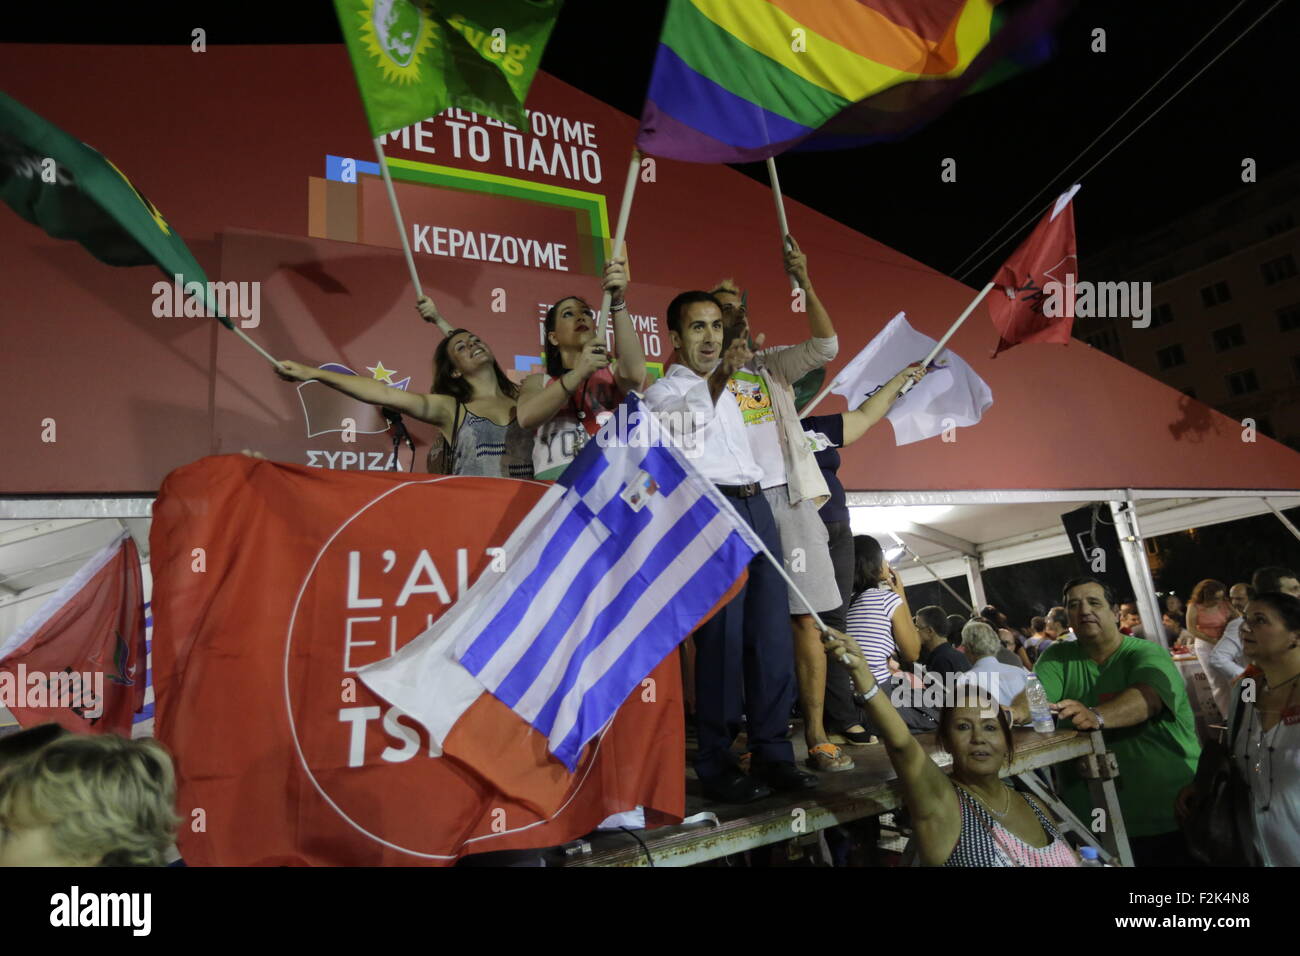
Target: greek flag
142,722
627,554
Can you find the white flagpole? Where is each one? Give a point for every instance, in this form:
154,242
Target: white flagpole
780,211
210,306
260,351
934,352
807,409
620,234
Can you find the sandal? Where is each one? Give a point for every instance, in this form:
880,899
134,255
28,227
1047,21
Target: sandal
857,737
828,758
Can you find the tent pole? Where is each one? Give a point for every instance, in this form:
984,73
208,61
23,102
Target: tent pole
975,583
1124,514
1282,518
942,583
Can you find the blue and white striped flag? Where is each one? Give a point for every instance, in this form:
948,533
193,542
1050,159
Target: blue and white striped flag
616,564
142,722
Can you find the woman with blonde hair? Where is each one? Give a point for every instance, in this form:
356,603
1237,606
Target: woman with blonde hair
88,801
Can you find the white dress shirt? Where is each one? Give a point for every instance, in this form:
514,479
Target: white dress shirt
717,428
1006,681
1225,663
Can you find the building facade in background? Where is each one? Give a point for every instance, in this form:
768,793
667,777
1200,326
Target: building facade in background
1225,306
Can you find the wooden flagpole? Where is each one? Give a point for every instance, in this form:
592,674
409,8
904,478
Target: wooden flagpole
620,235
780,212
401,232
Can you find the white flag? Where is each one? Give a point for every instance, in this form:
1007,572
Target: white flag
952,394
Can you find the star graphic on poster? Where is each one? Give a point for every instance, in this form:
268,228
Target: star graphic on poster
380,373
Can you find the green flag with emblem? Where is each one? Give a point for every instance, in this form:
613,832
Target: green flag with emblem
70,190
415,58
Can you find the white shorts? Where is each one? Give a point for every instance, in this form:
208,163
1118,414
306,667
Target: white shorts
807,557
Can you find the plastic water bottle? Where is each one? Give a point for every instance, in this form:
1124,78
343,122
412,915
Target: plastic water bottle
1040,711
1090,858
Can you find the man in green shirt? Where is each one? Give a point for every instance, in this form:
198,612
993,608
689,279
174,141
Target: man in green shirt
1130,689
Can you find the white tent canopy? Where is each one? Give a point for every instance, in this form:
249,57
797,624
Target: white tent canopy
956,532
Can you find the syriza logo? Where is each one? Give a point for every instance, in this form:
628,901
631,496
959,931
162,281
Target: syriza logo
328,411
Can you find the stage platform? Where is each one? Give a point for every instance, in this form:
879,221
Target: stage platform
868,790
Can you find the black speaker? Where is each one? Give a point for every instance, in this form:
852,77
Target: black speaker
1095,544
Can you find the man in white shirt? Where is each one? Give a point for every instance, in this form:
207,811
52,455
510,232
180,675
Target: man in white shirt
746,643
1003,681
1058,626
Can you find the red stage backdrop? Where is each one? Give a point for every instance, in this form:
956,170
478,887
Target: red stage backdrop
273,584
271,181
260,158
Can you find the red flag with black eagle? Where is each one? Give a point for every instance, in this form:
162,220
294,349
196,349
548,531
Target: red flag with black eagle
1024,303
79,661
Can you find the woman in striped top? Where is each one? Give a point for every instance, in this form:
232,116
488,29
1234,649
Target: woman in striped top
970,818
879,619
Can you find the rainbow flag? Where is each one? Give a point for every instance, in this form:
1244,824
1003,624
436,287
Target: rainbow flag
740,80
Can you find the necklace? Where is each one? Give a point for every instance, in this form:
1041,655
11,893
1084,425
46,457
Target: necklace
1259,744
1005,810
1268,686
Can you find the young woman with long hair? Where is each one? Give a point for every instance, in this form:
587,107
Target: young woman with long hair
472,403
581,386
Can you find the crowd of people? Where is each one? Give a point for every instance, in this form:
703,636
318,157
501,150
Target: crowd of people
103,800
747,666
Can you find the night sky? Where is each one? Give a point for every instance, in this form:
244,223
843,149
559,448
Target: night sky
1009,143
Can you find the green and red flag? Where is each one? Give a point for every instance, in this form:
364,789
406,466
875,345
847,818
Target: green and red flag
415,58
70,190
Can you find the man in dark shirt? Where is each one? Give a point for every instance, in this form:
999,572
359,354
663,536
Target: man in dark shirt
937,654
826,435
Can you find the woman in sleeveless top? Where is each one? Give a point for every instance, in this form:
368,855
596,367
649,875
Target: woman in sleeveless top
469,388
1208,613
971,818
567,404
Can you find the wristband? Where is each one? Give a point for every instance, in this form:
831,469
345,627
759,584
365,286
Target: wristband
564,387
618,307
1101,721
861,699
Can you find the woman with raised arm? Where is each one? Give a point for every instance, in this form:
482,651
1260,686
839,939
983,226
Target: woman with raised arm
472,403
580,388
970,818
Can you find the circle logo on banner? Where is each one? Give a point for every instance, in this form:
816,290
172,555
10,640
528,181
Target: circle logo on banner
381,578
397,32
